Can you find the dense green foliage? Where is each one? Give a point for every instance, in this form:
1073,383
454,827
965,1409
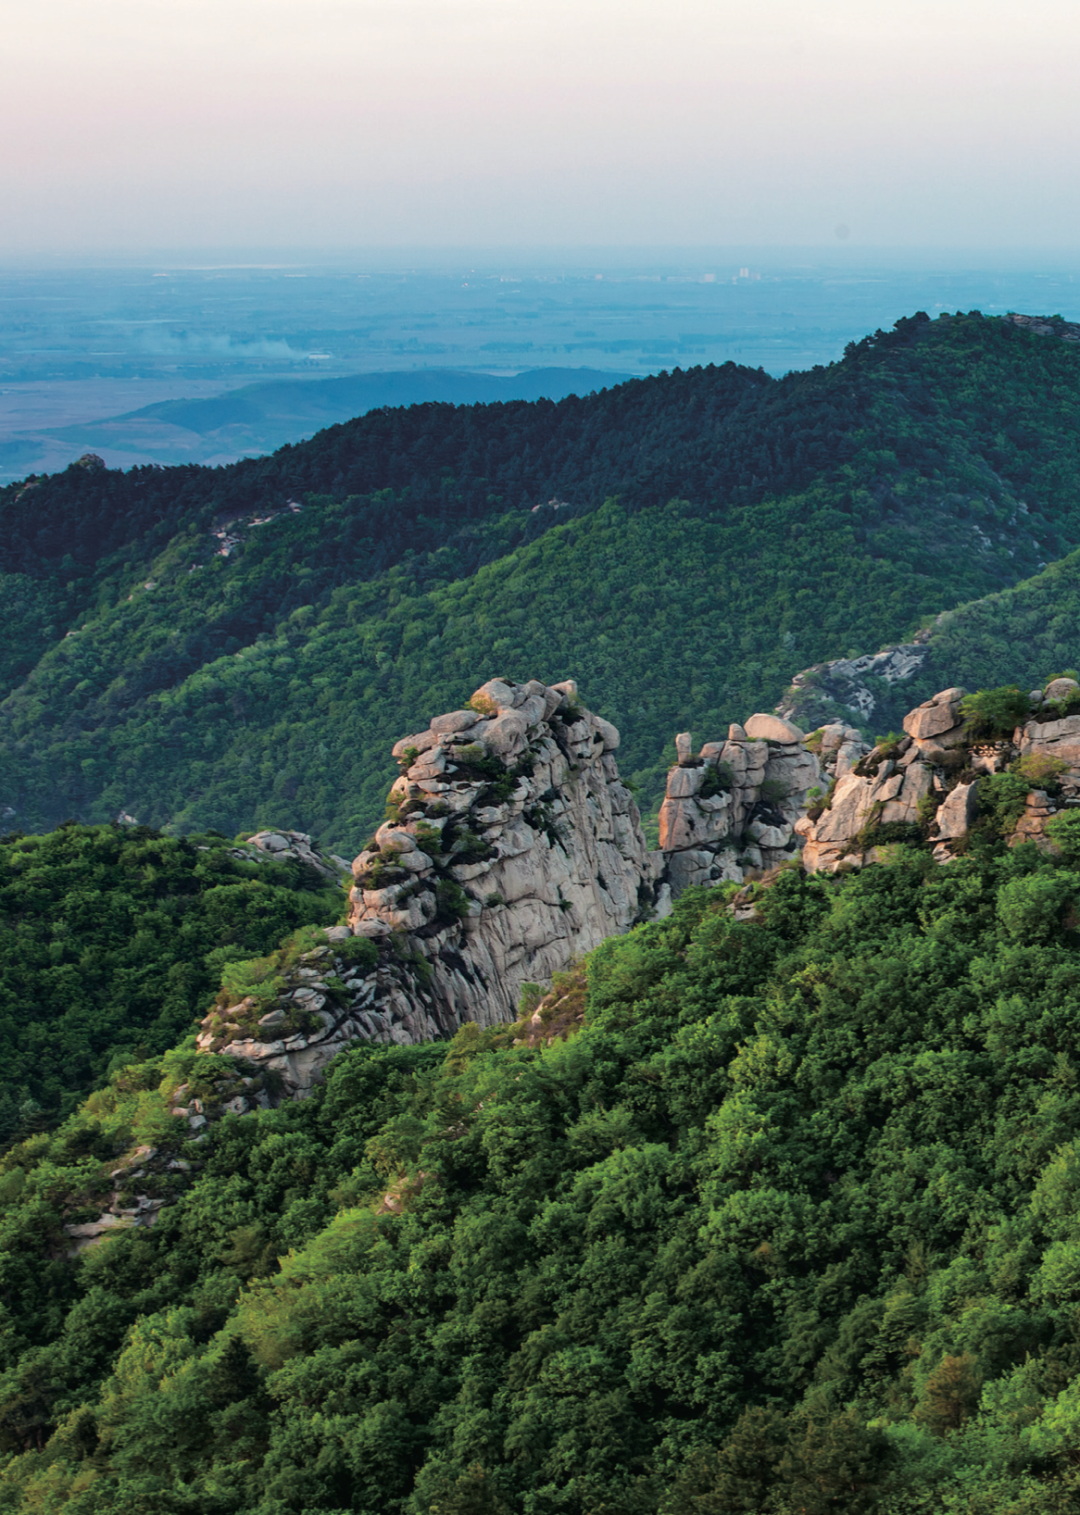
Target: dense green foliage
791,1225
721,529
1024,634
112,939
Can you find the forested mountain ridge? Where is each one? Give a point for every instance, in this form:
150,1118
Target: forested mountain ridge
759,525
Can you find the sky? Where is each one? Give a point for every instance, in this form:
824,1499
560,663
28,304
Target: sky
132,124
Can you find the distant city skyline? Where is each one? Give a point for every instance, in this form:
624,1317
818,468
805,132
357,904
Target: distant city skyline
441,123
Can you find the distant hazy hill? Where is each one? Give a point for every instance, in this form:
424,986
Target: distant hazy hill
680,544
260,417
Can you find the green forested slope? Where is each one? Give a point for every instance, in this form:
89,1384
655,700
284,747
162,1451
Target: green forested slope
816,515
791,1226
1032,630
111,941
1025,635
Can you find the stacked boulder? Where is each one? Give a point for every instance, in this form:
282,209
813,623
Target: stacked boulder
1054,734
734,806
925,785
883,794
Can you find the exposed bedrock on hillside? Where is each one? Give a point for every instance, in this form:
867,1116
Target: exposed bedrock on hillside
512,847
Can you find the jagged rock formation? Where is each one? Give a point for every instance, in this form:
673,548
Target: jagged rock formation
734,806
518,800
511,847
924,786
296,845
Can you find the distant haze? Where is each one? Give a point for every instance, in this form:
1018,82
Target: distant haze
378,123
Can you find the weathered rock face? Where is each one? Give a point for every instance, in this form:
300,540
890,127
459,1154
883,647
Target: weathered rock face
513,808
512,846
1058,739
733,808
296,845
847,681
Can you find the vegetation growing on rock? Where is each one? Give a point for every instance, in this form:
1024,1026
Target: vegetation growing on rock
112,938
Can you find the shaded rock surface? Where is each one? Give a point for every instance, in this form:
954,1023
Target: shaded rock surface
815,692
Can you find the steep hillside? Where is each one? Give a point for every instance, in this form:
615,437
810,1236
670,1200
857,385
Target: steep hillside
1024,634
113,938
776,1215
258,675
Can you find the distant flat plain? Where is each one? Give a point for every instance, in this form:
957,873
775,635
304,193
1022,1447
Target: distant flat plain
205,359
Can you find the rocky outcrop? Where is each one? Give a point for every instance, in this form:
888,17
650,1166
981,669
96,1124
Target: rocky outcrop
1041,326
819,693
296,846
511,846
142,1184
733,807
924,786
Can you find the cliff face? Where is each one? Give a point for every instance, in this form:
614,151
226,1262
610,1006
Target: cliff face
511,846
512,840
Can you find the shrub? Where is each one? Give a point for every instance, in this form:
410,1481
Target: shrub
470,848
256,977
719,779
1041,769
994,713
1002,798
471,755
1031,909
451,899
891,833
529,998
358,952
1064,831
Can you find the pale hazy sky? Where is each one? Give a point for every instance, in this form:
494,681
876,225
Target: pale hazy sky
188,123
